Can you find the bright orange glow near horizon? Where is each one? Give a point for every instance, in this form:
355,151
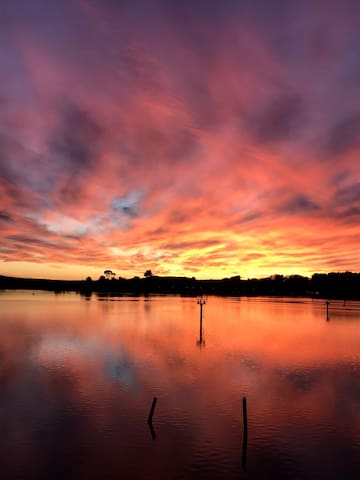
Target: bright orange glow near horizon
186,138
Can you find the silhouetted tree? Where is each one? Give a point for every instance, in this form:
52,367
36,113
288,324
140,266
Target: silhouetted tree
109,274
148,274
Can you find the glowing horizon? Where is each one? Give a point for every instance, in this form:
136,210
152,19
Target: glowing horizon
189,138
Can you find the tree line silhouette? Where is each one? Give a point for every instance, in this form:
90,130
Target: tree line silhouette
343,285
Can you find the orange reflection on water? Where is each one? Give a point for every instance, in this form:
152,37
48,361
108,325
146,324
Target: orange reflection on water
92,367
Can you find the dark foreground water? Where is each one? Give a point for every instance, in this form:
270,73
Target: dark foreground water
78,376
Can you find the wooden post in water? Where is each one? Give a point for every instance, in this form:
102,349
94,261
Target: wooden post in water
245,434
152,410
152,431
327,309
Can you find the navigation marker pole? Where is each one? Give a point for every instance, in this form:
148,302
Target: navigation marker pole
201,302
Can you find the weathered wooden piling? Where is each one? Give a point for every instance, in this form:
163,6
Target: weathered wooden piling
152,410
152,431
327,309
245,433
151,428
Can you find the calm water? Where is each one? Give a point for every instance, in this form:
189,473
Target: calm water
78,377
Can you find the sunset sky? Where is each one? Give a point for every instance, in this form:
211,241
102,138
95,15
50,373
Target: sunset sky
191,137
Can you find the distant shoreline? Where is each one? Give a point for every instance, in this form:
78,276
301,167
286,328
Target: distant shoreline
343,286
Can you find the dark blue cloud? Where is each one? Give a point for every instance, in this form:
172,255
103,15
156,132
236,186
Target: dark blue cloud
349,194
299,204
76,139
345,203
5,217
345,135
280,119
128,205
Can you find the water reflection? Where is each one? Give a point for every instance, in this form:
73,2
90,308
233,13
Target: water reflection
77,378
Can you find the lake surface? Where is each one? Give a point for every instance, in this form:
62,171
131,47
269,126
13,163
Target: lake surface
78,376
